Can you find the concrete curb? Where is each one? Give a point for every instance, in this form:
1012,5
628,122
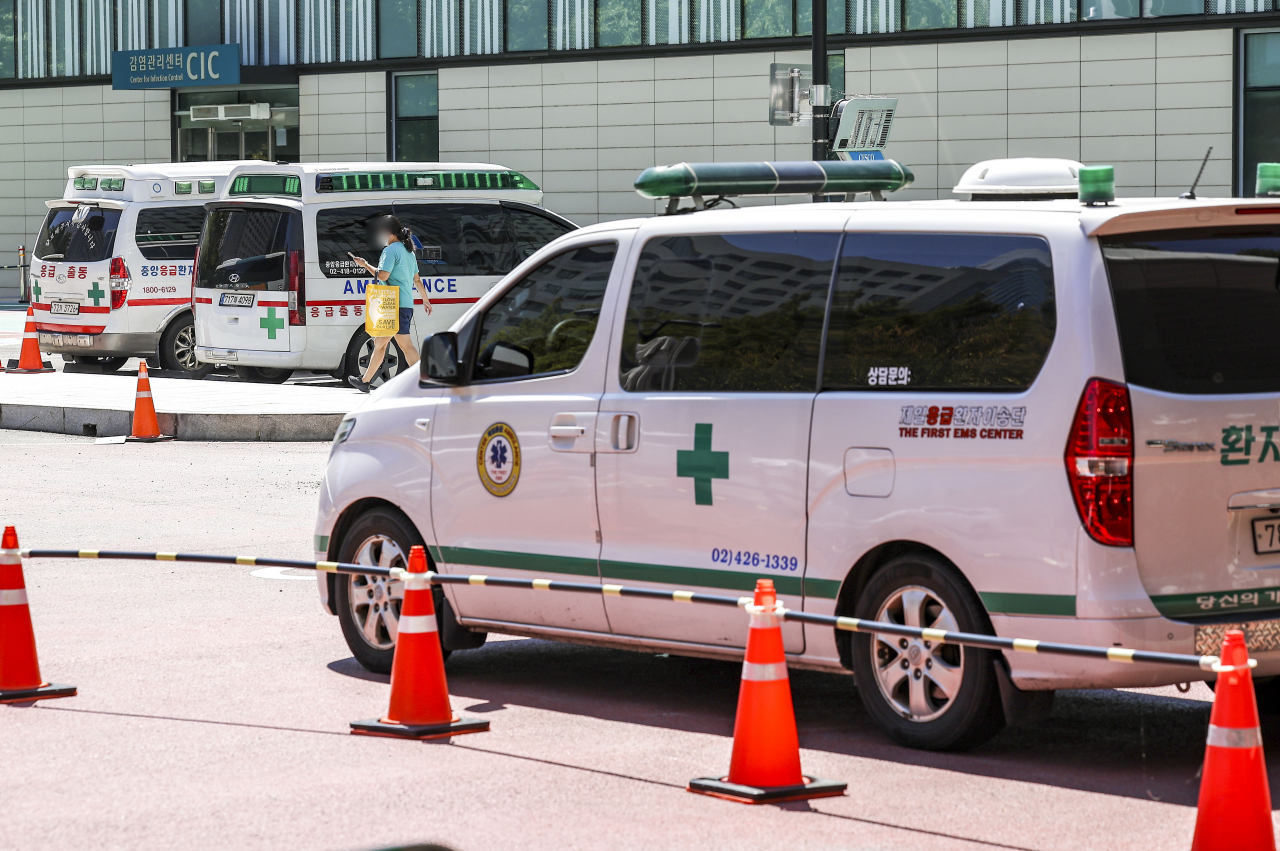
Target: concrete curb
106,422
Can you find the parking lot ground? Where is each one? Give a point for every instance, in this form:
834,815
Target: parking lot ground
214,705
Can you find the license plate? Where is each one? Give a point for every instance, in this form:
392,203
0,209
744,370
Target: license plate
1266,535
65,308
236,300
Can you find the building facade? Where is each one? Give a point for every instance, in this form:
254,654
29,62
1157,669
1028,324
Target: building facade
581,95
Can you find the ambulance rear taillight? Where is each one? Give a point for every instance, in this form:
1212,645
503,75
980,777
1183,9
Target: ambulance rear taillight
119,282
1099,461
195,264
297,290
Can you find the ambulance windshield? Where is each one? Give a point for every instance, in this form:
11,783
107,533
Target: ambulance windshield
1198,309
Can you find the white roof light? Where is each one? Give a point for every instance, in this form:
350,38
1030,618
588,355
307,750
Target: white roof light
1024,178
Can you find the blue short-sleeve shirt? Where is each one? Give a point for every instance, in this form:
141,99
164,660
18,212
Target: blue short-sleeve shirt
400,262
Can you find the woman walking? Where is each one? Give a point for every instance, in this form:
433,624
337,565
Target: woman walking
398,267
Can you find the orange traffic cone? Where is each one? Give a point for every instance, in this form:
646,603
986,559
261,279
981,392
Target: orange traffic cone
19,669
29,356
765,766
146,428
419,694
1234,813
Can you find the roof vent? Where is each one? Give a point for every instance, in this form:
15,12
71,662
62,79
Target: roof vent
1020,179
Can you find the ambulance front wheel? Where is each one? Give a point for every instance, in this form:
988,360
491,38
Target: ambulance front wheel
922,693
369,606
178,348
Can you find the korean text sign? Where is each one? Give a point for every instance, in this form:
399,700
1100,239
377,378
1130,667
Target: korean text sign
171,67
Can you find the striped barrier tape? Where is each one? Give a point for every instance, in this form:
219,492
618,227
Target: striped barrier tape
966,639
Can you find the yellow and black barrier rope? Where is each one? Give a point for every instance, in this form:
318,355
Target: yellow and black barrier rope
967,639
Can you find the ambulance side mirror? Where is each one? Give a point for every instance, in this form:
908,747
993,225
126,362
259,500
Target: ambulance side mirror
439,363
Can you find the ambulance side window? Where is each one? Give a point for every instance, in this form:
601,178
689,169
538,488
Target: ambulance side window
169,233
548,318
735,312
926,311
459,239
531,230
343,229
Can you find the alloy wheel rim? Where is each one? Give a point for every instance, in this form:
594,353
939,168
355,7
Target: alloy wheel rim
184,348
375,600
919,679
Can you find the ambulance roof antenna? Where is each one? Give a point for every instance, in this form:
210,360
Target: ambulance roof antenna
1190,194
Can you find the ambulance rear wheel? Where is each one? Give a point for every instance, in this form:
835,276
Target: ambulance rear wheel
360,350
369,606
925,694
262,374
178,349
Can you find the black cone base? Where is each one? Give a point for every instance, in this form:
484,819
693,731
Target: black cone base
813,787
44,692
45,366
378,727
132,439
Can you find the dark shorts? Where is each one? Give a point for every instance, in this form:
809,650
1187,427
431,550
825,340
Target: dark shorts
406,317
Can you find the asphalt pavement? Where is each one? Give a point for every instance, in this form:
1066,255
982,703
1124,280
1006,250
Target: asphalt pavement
214,705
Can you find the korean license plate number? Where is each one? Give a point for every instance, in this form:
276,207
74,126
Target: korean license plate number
64,308
1266,535
236,300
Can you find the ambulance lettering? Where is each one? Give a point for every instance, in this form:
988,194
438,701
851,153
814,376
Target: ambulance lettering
357,289
961,422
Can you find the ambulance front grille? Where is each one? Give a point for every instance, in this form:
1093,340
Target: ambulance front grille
1261,636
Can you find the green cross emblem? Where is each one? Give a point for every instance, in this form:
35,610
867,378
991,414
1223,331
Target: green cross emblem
701,464
36,290
272,323
96,294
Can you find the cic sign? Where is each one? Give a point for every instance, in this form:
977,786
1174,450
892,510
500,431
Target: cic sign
176,67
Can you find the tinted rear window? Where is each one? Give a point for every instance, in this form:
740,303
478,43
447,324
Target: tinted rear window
169,233
1198,310
246,248
87,240
933,311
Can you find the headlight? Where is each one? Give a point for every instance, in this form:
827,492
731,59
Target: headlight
343,432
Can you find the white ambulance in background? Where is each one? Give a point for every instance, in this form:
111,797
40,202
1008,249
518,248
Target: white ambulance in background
111,271
276,289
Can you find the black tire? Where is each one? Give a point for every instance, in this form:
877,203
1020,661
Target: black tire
389,525
262,374
914,708
104,363
178,348
356,360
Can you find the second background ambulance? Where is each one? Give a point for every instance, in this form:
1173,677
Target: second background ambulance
276,289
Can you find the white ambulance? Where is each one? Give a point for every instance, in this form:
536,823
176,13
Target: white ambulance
111,271
276,287
1038,419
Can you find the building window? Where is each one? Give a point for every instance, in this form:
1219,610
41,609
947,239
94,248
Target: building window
835,17
835,72
1260,129
526,24
210,138
203,22
767,18
617,22
930,14
397,28
8,67
416,131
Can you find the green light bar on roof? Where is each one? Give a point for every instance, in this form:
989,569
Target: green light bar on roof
206,186
112,184
267,184
85,183
772,178
422,181
182,187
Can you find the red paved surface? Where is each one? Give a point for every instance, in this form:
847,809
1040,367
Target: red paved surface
213,710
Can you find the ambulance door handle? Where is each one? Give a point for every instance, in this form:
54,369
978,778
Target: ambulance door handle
570,432
624,432
423,423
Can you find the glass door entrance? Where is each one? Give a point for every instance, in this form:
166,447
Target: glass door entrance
205,137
